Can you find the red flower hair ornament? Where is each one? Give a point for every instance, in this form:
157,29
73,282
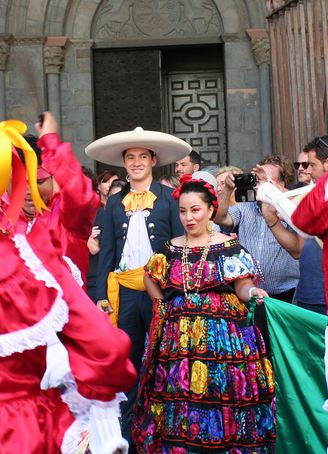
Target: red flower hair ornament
188,178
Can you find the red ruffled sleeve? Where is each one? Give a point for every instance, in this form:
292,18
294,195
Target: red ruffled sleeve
311,215
79,202
74,208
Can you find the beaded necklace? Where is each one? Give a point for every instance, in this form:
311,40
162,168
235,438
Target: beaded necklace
187,279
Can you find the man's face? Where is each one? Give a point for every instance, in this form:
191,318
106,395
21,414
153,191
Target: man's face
317,167
46,189
139,164
303,175
269,172
185,166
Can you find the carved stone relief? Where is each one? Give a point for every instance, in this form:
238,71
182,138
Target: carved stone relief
4,53
126,19
53,59
260,45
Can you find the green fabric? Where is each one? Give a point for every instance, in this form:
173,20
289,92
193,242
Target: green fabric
297,339
251,311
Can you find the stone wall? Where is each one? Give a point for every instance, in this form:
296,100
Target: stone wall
27,25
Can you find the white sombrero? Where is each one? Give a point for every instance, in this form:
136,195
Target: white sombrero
109,149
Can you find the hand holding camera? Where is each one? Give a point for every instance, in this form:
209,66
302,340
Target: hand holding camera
245,184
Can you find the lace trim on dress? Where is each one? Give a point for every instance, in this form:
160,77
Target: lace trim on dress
96,420
53,321
76,273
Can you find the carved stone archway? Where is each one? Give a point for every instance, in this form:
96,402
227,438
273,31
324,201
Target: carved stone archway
142,20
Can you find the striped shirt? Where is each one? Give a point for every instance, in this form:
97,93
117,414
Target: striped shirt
280,270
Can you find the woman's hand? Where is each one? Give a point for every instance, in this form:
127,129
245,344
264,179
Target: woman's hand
46,125
95,232
93,242
245,290
229,183
257,293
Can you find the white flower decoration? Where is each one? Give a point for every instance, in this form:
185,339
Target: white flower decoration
232,267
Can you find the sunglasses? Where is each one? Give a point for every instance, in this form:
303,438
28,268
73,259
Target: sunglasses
304,164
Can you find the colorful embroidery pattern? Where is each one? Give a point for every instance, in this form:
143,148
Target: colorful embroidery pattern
207,384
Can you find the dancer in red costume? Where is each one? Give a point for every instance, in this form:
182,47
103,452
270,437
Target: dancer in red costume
311,216
72,207
39,298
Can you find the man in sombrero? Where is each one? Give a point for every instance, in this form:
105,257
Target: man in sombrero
138,221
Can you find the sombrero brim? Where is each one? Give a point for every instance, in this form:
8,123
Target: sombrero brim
109,149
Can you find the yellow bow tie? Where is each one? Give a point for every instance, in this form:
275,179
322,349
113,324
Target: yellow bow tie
139,199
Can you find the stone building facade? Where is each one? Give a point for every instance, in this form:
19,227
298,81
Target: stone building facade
195,68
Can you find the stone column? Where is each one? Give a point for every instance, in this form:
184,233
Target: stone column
261,52
54,53
4,55
242,102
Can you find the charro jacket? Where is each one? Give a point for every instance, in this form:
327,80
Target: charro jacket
163,223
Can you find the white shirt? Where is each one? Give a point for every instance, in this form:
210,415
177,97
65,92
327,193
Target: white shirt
137,249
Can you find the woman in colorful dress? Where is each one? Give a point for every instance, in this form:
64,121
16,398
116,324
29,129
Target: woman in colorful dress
207,385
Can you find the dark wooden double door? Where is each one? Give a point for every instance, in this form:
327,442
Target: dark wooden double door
176,90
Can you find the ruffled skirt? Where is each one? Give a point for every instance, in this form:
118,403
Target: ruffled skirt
34,424
207,384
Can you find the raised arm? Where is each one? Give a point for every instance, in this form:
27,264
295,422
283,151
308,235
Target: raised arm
79,203
223,217
289,240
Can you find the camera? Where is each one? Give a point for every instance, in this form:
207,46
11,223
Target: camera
245,184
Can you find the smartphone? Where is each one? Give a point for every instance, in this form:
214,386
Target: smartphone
245,184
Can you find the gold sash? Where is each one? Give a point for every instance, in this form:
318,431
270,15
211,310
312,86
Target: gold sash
132,279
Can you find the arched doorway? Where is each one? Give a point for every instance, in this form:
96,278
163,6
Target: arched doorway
179,90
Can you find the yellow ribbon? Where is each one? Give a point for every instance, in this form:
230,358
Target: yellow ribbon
132,279
139,199
11,134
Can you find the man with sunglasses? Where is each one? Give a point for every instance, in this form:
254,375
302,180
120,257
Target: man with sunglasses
303,169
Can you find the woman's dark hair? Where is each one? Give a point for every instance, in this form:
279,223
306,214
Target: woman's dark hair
203,188
107,175
33,142
117,184
88,173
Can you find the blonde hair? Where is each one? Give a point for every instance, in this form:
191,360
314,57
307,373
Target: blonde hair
225,169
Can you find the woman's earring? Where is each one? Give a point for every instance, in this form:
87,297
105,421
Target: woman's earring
210,227
127,178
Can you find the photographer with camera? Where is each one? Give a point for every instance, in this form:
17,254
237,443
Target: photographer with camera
280,270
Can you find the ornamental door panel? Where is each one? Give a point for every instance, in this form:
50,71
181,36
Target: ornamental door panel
196,113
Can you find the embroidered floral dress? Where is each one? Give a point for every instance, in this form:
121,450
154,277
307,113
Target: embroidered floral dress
206,384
